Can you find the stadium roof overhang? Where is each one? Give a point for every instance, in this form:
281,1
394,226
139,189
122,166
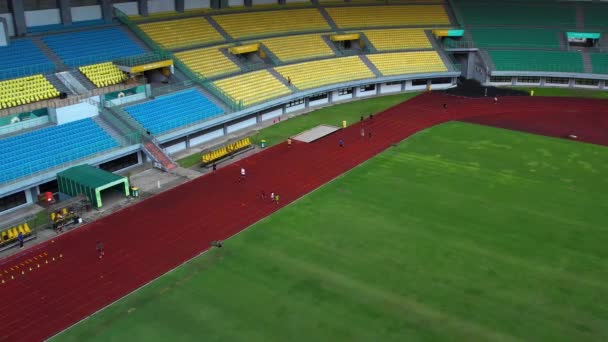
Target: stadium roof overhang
90,181
583,35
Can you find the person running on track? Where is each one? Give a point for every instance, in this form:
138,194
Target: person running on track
100,251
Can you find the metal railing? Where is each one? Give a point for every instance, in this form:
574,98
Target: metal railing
549,67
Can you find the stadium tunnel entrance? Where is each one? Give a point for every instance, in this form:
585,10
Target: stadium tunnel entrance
96,184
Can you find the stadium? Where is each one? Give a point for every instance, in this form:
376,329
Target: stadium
271,170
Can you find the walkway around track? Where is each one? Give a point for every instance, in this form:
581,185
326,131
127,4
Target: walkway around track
148,239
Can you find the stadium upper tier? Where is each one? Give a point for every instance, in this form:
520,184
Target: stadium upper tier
537,60
209,62
174,34
401,63
103,74
377,16
168,112
92,46
45,148
298,47
504,13
253,87
20,91
22,53
315,74
516,37
244,25
397,39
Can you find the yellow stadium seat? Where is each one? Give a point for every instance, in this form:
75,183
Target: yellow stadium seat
400,63
325,72
26,227
173,34
253,87
370,16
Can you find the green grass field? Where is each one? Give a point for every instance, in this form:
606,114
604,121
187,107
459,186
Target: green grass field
350,111
461,233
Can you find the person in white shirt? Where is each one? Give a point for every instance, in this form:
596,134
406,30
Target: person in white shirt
242,174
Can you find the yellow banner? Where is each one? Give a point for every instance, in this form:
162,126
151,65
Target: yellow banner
151,66
342,37
236,50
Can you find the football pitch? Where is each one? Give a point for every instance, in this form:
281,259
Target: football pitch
461,232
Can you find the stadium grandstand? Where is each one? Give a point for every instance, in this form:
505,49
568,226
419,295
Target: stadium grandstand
141,81
132,86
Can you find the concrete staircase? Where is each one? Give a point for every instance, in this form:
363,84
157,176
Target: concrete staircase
71,82
329,20
82,79
49,53
282,79
370,65
58,84
331,44
219,29
158,155
587,64
113,131
580,18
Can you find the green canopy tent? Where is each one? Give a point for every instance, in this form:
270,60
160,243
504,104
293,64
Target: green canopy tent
90,181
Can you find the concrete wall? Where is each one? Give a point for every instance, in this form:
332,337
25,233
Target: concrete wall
42,17
175,147
84,13
130,8
155,6
359,92
206,137
336,97
127,99
194,4
24,125
390,88
242,124
10,26
75,112
272,114
318,102
262,2
234,3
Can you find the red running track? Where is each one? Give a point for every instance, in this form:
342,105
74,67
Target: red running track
145,240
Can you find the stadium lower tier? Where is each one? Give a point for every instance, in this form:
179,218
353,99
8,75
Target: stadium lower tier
45,148
174,110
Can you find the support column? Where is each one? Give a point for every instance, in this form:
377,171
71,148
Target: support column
64,12
215,4
179,5
16,8
142,7
107,12
248,3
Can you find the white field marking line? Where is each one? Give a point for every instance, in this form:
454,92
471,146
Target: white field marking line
230,237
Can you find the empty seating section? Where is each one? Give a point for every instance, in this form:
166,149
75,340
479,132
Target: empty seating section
595,16
516,37
396,39
400,63
243,25
93,46
298,47
497,13
557,61
181,33
10,234
172,111
22,53
103,74
20,91
370,16
599,62
49,147
225,151
325,72
209,62
253,87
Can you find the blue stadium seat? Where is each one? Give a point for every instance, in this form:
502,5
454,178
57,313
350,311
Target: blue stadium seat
92,46
168,112
22,53
59,27
45,148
